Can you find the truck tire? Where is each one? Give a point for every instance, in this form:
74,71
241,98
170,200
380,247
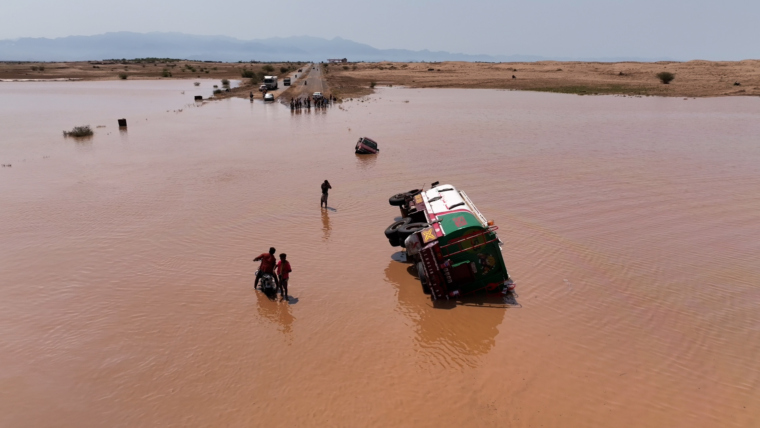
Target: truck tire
423,278
397,200
392,231
408,229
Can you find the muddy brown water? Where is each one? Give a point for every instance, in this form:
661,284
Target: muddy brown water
630,225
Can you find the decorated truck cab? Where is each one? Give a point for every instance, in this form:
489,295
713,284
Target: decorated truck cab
455,249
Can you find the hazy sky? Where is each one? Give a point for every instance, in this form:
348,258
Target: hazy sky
678,29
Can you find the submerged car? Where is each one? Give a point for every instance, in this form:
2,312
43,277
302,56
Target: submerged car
268,97
456,251
365,146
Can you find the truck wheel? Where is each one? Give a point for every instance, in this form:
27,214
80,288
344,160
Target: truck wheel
392,231
397,200
408,229
423,278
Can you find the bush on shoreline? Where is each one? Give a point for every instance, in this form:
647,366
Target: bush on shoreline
79,131
666,77
225,82
123,76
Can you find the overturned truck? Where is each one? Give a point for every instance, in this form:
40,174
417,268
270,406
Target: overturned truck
455,249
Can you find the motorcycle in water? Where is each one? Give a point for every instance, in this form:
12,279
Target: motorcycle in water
267,284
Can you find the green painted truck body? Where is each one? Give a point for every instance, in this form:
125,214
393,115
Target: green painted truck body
455,249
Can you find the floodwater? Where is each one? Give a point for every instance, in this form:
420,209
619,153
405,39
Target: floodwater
631,227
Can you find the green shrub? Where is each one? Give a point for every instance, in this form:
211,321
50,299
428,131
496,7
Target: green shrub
248,73
123,76
217,91
283,69
166,73
372,84
225,82
78,131
268,68
345,67
666,76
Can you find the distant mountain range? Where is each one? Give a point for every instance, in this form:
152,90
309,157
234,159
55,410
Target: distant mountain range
221,48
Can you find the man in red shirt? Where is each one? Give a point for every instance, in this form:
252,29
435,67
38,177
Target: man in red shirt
283,271
267,266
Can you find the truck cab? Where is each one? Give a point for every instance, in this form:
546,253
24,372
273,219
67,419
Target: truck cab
456,251
286,81
271,82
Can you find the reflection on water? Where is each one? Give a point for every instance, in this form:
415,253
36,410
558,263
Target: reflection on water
326,228
366,161
448,334
276,311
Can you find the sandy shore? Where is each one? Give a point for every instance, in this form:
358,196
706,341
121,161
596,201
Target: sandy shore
144,70
692,79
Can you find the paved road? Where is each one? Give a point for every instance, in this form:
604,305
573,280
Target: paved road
309,81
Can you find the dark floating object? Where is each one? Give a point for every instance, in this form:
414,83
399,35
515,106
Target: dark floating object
365,146
199,98
737,84
122,123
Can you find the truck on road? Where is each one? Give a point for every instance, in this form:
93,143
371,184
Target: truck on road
271,82
286,81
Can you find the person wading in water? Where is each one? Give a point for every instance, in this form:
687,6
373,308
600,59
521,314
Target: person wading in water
283,271
267,266
325,187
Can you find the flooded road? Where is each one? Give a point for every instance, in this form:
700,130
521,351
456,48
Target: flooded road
126,299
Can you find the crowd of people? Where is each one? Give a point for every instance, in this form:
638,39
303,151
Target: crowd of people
309,102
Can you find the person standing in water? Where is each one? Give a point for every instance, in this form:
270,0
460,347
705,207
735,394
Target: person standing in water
325,187
283,272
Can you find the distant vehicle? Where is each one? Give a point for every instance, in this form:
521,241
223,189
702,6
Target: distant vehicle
263,88
286,81
271,82
317,95
268,97
365,146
